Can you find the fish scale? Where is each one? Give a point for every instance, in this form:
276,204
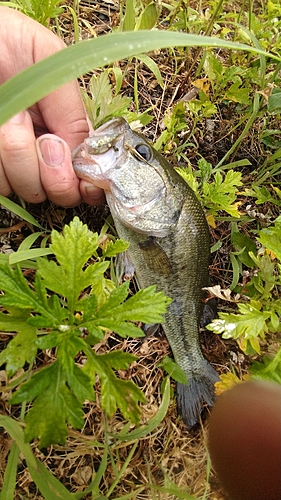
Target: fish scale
157,212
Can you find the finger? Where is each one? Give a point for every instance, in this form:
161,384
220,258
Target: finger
64,114
56,172
5,187
245,441
91,194
20,167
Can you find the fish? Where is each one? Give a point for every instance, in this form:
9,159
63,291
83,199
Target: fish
156,211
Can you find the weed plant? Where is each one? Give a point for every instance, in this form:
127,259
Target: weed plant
211,104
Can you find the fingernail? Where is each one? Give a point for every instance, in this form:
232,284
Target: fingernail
52,152
18,118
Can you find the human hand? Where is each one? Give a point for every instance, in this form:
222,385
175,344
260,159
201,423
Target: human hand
245,441
35,145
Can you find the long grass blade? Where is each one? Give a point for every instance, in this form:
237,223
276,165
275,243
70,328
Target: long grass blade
39,80
48,485
32,253
10,476
16,209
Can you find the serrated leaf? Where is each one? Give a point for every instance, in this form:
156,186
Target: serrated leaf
119,360
18,294
81,385
37,384
123,394
17,291
237,94
104,105
149,427
21,349
221,194
227,381
115,247
115,392
48,341
68,347
123,328
54,404
49,415
246,326
244,245
146,305
69,279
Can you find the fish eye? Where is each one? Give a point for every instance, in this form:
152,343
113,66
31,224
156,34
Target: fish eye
144,151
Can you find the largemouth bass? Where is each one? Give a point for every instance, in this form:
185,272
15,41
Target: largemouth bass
156,211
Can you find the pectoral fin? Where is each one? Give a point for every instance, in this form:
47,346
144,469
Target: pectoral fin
155,257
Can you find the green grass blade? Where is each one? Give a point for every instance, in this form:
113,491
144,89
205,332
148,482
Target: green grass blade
10,476
28,241
32,253
153,68
48,485
16,209
130,16
94,486
39,80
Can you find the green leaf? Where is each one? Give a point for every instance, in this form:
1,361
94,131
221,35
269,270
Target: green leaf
274,102
115,392
115,247
36,385
153,423
237,94
246,326
32,253
21,349
123,394
153,68
17,291
271,238
244,245
174,370
119,360
54,404
68,279
221,194
10,475
149,17
128,23
269,369
42,78
103,105
212,66
16,209
146,305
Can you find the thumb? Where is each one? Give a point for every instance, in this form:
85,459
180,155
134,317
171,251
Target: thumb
57,175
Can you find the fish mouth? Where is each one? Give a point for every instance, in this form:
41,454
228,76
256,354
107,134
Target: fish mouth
100,153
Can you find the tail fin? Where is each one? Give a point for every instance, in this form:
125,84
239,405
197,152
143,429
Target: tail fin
190,397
